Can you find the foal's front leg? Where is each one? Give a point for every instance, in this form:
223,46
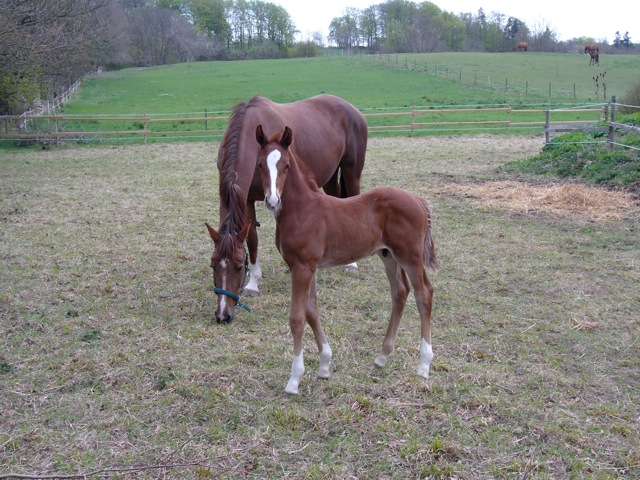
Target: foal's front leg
301,279
324,349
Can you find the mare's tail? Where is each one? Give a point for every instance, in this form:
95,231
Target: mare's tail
429,251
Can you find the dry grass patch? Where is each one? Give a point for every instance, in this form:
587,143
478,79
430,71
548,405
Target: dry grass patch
596,203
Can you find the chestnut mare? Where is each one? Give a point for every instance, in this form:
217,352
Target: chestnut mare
315,230
591,48
595,57
333,141
522,47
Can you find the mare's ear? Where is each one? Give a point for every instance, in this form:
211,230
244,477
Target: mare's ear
287,137
242,235
214,235
260,136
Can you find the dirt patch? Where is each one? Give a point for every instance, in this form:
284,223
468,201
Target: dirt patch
596,203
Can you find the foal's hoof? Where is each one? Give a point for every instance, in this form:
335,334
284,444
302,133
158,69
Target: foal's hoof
381,361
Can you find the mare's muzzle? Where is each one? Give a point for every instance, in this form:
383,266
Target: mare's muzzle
228,317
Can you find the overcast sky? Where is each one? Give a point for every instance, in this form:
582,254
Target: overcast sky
567,19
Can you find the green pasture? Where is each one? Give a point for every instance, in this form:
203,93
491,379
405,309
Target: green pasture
369,82
112,365
174,99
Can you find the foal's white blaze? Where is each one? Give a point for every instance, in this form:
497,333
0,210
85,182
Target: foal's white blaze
297,370
272,163
223,298
426,355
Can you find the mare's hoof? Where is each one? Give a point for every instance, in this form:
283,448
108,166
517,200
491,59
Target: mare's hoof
250,292
352,267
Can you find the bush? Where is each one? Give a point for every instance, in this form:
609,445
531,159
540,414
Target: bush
632,97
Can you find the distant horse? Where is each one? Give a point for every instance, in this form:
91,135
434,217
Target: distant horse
315,230
522,47
595,57
591,48
332,140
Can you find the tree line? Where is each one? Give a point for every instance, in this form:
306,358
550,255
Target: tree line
45,45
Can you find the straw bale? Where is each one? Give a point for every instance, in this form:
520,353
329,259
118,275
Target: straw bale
596,203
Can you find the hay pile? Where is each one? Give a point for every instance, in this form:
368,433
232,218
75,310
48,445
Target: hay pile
596,203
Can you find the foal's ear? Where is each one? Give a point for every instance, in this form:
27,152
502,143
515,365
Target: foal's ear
260,136
287,137
214,235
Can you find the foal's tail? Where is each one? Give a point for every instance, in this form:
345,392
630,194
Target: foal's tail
429,251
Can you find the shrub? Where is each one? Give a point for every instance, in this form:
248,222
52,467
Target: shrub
632,97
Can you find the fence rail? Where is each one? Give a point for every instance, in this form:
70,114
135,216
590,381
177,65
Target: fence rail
415,120
609,126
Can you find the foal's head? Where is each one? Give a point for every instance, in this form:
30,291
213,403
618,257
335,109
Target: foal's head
274,162
230,264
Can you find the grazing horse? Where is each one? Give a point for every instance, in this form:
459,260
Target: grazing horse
315,230
595,57
332,140
591,48
522,47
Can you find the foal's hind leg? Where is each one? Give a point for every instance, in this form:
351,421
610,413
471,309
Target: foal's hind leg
399,286
423,292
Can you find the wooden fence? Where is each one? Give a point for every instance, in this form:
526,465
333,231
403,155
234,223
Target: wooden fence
55,128
609,126
52,128
51,105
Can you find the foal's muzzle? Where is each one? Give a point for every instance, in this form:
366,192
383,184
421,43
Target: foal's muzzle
273,203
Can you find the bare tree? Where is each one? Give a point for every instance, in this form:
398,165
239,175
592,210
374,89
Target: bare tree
543,37
45,45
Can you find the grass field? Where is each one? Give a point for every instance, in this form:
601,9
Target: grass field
367,82
112,365
455,93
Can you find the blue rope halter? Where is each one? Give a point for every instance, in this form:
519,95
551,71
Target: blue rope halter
236,296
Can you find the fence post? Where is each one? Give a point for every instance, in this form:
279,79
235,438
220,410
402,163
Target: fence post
413,118
206,122
144,124
611,137
547,123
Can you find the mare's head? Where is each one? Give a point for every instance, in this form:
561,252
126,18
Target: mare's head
274,162
230,268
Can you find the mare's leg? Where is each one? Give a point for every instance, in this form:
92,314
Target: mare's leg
399,287
301,280
423,292
252,245
314,322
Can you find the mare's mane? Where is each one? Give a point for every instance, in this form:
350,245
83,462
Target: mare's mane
230,192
